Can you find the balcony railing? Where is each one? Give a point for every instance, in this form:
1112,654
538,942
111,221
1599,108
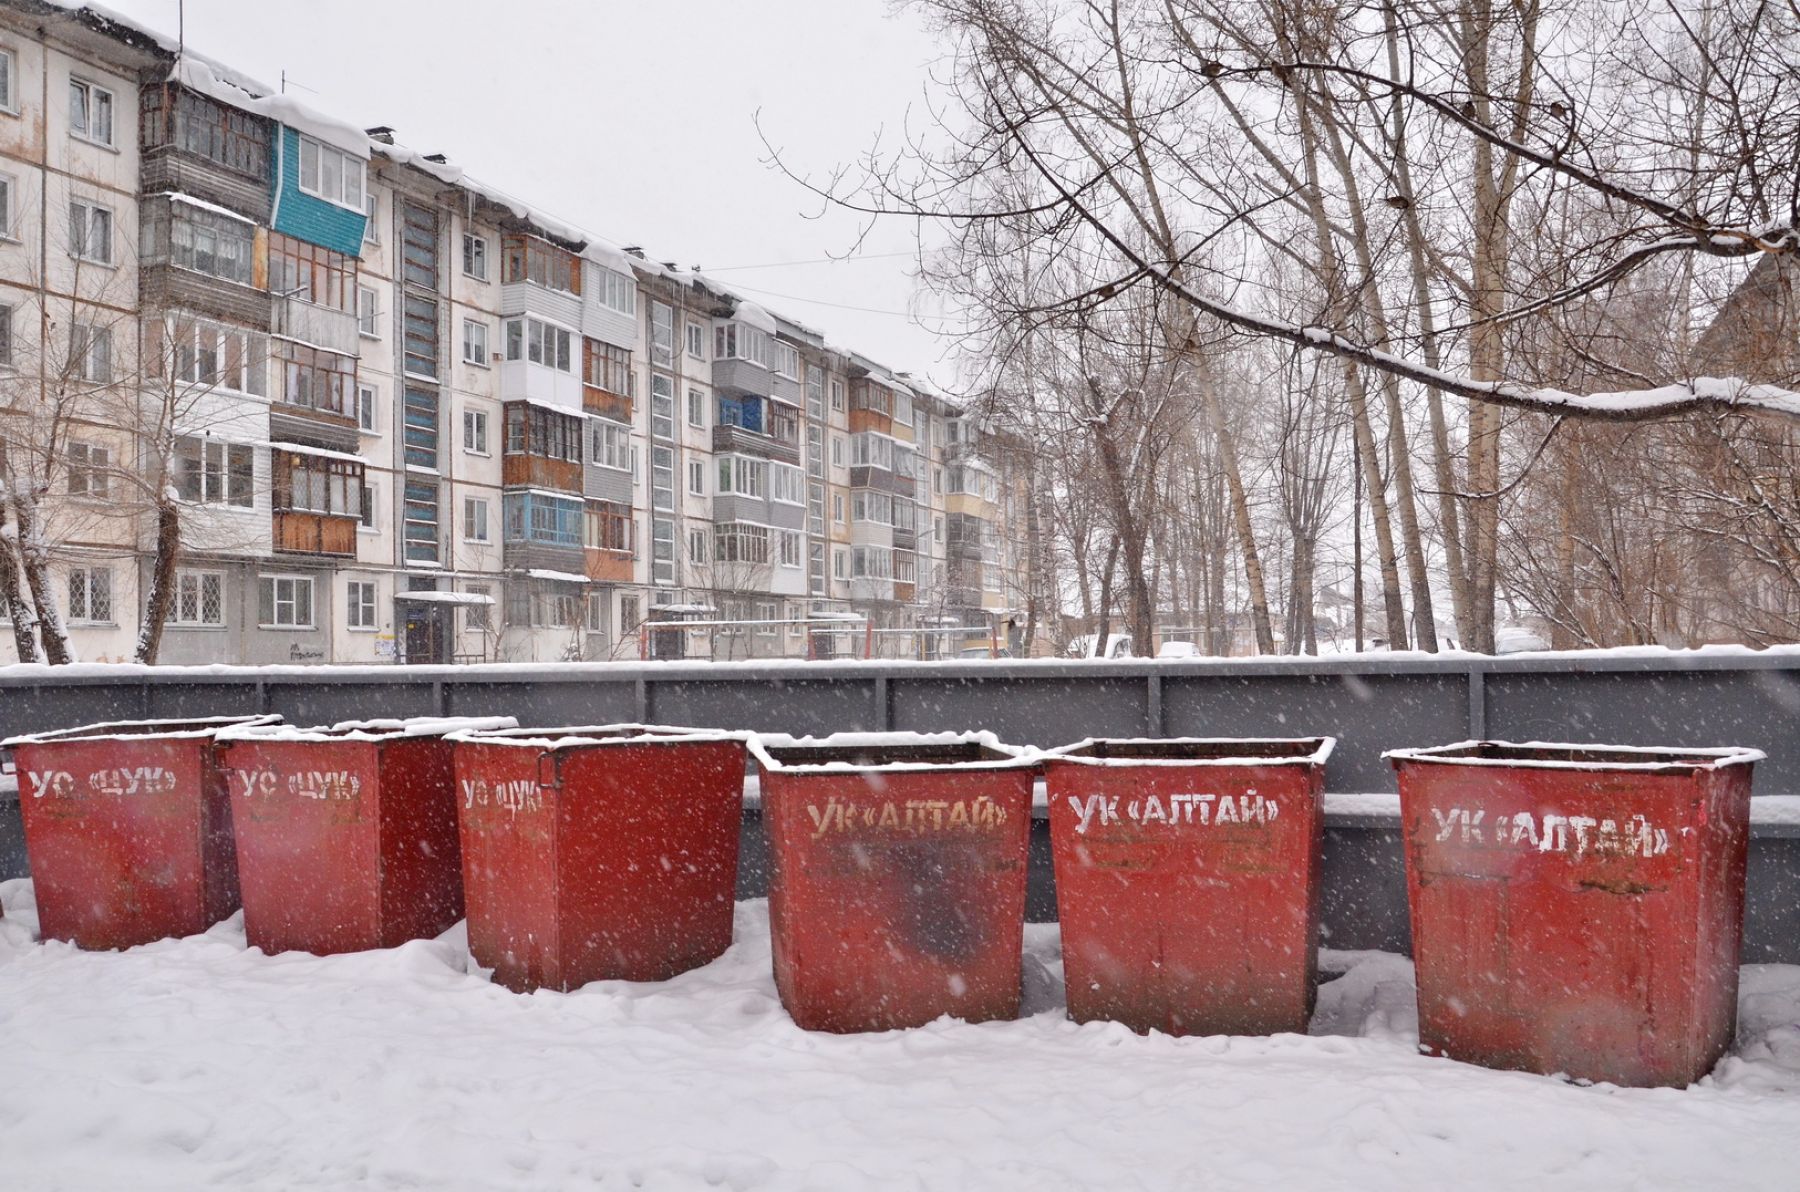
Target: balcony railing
298,532
728,438
321,326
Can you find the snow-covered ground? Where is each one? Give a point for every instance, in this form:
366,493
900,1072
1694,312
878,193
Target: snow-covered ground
196,1063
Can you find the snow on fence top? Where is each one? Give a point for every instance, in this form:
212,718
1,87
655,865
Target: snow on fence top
1528,755
873,752
137,730
367,730
1195,751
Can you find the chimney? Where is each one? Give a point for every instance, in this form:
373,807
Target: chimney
439,158
382,133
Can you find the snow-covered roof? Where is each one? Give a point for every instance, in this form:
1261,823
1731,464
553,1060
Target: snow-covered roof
240,91
752,314
561,577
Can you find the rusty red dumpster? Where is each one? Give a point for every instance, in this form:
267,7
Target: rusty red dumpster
606,853
346,836
1577,909
897,879
128,829
1187,881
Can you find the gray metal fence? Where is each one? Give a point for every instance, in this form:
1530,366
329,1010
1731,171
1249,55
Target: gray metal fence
1370,702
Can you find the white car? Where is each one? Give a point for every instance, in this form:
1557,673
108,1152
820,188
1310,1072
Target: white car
1118,645
1179,650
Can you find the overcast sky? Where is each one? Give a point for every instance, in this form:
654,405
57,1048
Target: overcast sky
635,120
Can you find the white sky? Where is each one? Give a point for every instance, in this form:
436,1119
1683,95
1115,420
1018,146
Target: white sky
634,119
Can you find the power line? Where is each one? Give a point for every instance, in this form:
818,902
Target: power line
874,256
867,310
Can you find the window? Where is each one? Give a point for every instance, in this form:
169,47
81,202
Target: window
866,506
90,351
6,313
697,477
696,341
199,599
90,594
211,472
314,378
766,613
837,394
527,258
9,69
609,527
740,542
746,411
840,565
476,616
200,352
368,402
906,567
743,476
369,498
736,341
616,290
662,551
903,409
871,562
815,392
475,432
420,411
420,326
475,342
870,450
88,475
696,408
937,480
533,430
368,316
606,367
90,232
787,360
662,334
284,601
662,407
837,508
332,175
419,525
6,193
310,273
612,445
419,246
837,451
475,256
662,478
371,219
544,518
475,520
316,484
787,483
90,112
539,342
696,546
235,139
596,612
790,548
359,607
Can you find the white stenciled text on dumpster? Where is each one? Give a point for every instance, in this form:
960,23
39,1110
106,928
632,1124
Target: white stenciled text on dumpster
116,781
324,785
1207,811
1578,835
919,816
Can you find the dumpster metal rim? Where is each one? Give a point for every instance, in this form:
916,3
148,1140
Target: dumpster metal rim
1715,757
1318,757
572,736
382,729
194,727
1019,757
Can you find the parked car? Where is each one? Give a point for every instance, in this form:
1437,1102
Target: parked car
1118,645
982,652
1178,650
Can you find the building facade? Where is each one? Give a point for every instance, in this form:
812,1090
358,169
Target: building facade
405,417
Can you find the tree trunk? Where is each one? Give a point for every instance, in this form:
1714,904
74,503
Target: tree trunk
1240,515
18,612
1103,629
34,559
161,597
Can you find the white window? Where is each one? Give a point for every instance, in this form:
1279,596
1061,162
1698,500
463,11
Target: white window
6,193
475,432
475,342
744,476
737,341
9,70
840,565
789,548
837,394
359,610
787,360
662,334
612,445
539,343
209,354
368,313
212,472
90,351
696,546
476,616
90,594
90,112
696,405
89,471
372,219
474,256
837,451
697,477
837,507
787,483
616,290
6,317
331,174
90,232
696,341
369,498
368,401
199,598
903,409
284,601
475,519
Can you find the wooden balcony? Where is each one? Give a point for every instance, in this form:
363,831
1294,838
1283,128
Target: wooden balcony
606,404
609,566
540,471
302,533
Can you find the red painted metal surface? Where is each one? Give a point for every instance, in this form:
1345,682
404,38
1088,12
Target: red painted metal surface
346,839
128,831
598,854
1572,914
896,895
1187,882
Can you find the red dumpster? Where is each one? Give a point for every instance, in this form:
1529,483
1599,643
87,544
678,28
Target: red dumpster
592,854
897,881
1577,909
1187,881
346,836
128,829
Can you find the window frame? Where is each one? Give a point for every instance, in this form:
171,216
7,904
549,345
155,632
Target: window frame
478,243
9,81
480,359
88,615
200,578
275,580
484,522
368,320
358,604
85,132
318,190
477,433
80,247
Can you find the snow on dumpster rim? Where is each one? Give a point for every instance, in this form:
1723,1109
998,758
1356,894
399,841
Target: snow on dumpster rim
1675,759
164,729
379,729
1318,757
1015,756
545,737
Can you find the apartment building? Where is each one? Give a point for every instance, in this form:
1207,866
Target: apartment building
410,418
